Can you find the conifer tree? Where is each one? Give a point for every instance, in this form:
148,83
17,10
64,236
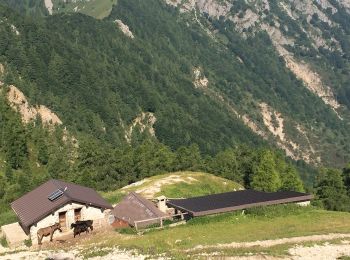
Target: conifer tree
331,191
265,177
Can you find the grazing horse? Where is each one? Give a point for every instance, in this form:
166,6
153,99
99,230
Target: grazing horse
48,231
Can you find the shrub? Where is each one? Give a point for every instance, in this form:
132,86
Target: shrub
28,242
3,242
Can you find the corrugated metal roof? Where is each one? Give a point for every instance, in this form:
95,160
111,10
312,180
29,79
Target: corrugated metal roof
135,208
229,201
35,205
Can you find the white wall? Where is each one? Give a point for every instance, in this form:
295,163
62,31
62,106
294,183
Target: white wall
87,213
304,203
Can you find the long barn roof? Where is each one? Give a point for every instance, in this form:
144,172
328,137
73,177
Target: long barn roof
236,200
35,205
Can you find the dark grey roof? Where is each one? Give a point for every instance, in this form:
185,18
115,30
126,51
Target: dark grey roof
134,208
35,205
229,201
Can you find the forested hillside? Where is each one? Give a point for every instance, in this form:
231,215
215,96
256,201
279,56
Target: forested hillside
240,90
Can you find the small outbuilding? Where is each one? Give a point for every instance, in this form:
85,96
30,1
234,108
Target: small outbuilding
236,200
136,211
57,201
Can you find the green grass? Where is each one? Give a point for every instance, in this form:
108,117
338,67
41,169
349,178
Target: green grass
95,253
234,227
194,184
95,8
3,242
7,217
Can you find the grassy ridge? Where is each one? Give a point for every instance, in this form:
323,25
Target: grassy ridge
193,184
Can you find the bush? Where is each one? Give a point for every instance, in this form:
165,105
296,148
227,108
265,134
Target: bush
3,242
28,242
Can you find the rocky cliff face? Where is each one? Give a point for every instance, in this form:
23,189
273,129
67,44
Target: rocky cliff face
293,27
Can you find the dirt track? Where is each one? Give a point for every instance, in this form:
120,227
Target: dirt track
325,251
274,242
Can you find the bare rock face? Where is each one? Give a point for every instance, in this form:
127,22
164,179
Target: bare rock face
48,5
345,3
214,8
144,122
125,29
200,81
29,113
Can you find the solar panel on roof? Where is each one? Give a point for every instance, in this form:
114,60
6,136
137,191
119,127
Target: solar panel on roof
55,195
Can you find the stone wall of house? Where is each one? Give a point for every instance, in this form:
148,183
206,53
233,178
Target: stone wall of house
87,213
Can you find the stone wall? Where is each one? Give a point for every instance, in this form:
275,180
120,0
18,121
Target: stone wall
87,213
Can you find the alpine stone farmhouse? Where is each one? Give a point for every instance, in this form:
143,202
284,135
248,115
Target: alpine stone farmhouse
59,202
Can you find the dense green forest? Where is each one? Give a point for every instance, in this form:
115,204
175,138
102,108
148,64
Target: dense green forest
98,81
95,83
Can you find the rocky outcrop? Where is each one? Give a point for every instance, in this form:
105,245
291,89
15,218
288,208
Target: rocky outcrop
275,123
14,29
200,81
124,28
28,112
48,5
312,80
214,8
144,122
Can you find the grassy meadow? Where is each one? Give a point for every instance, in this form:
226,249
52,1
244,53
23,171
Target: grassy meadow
204,233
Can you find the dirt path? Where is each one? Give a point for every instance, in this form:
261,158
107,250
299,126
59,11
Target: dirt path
323,251
274,242
320,252
72,255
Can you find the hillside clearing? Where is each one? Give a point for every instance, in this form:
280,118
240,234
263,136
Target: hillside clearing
176,185
95,8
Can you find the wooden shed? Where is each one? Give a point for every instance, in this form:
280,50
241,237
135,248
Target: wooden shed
134,210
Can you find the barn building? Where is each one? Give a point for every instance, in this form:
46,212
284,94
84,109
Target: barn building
236,200
136,211
58,201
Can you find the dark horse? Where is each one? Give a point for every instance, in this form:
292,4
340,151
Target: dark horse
48,231
81,226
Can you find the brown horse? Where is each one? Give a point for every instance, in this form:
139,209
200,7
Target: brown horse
48,231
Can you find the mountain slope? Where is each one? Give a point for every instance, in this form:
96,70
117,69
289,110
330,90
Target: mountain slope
213,73
246,74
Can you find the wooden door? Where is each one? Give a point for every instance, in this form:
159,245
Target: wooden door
62,216
77,214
